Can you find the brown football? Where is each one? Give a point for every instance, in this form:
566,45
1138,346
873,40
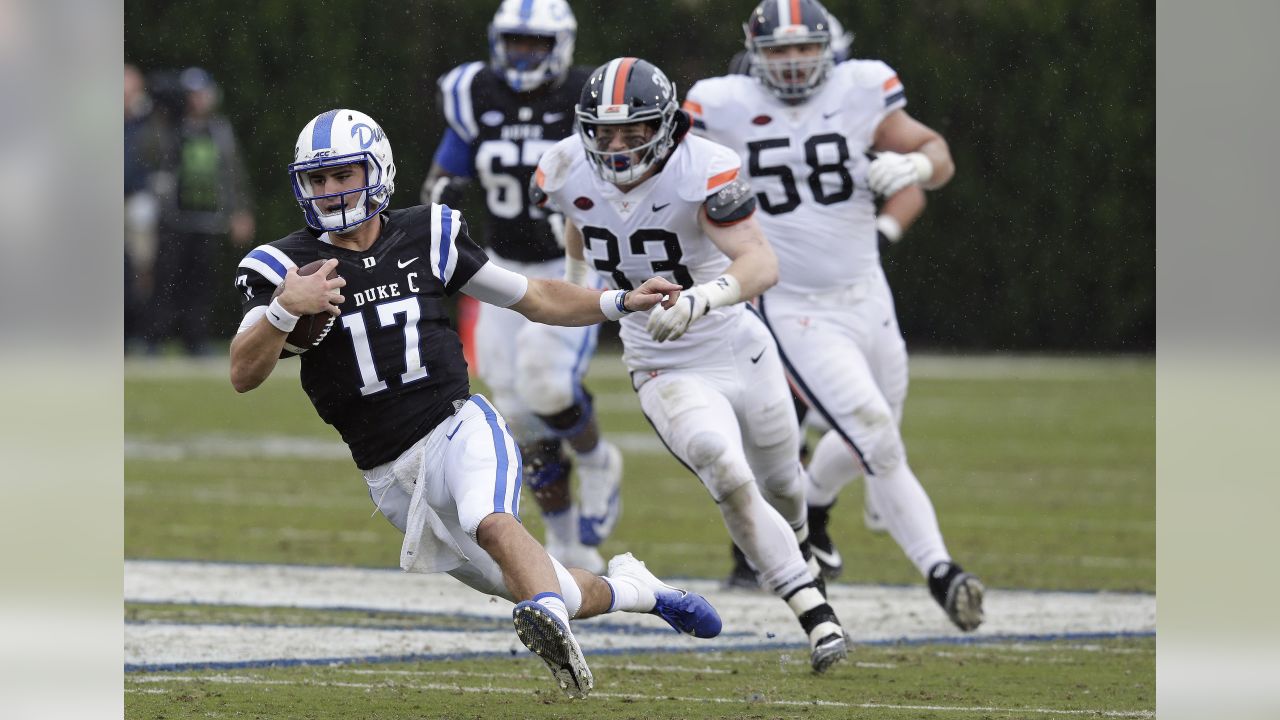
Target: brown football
311,329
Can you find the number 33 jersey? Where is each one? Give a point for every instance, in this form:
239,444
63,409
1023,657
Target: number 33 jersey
392,365
807,165
651,230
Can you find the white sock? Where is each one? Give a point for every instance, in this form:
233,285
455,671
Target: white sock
629,595
555,604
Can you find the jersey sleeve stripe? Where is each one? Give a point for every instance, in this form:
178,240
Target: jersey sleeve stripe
540,178
444,256
891,83
693,108
457,100
715,181
896,99
268,262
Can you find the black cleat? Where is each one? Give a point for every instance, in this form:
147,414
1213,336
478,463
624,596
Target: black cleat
959,594
820,544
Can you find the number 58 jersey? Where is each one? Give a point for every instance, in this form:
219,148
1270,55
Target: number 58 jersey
807,165
651,230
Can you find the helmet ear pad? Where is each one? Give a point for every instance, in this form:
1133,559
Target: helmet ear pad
684,123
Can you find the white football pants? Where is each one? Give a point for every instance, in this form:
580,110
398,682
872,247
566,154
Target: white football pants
734,426
844,352
471,467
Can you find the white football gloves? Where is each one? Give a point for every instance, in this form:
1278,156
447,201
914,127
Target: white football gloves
670,324
891,171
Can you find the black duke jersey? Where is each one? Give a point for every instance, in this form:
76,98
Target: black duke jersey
392,366
502,134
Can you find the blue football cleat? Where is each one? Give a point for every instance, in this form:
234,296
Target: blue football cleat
686,612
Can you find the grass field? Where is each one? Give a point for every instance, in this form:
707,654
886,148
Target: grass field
1042,472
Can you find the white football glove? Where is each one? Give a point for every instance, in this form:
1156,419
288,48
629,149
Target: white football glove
670,324
891,171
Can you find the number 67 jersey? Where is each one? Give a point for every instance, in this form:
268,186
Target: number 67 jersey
653,229
807,165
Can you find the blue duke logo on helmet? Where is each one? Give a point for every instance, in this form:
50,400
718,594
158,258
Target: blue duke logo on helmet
334,139
526,70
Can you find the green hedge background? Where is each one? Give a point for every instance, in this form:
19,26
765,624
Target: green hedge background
1045,240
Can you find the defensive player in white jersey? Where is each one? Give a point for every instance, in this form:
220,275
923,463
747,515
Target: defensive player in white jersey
439,462
642,198
501,116
804,128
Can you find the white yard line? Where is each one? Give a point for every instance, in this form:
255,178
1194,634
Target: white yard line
753,701
751,619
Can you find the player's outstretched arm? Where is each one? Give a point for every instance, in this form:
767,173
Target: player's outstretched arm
555,302
256,349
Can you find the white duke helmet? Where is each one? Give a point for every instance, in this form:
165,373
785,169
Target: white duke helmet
547,18
343,137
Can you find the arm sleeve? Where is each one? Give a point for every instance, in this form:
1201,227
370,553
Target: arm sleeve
496,286
454,155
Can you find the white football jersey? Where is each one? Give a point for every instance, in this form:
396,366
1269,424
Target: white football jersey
650,230
807,164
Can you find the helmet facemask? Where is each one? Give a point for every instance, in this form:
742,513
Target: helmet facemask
629,166
526,71
792,78
317,207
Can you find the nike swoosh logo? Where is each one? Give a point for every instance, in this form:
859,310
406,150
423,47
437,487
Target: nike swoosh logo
552,117
405,264
756,359
449,436
833,113
830,559
657,208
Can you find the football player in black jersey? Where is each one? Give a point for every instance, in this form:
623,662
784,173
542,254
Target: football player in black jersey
439,461
501,117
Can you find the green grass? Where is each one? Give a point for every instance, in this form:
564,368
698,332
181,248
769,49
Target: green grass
906,681
1039,481
1042,473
